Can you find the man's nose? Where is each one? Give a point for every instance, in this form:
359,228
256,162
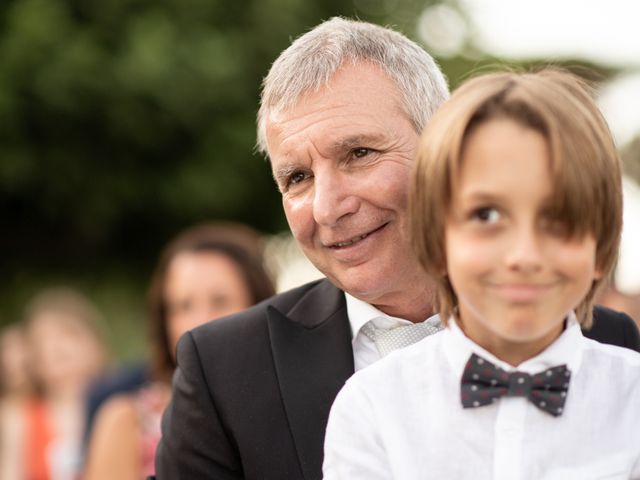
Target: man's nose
333,197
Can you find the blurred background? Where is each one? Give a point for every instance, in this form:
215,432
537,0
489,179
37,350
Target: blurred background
124,121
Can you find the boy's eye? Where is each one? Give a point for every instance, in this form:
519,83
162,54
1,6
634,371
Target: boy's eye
555,225
486,215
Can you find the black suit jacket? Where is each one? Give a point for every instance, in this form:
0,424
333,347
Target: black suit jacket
252,392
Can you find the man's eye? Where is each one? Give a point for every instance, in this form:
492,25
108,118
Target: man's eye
360,152
296,178
486,215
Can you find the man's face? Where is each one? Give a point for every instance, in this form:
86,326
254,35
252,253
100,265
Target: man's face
342,158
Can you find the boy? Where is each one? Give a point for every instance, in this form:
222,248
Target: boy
516,210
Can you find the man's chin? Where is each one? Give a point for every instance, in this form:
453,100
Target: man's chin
367,288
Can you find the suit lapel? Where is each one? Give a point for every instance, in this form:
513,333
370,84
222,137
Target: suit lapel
313,358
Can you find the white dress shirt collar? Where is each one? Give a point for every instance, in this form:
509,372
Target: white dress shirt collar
360,312
364,350
565,350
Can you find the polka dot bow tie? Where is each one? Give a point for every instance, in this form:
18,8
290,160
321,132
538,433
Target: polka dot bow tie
483,383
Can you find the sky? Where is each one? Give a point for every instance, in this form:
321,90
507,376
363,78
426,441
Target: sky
607,33
604,32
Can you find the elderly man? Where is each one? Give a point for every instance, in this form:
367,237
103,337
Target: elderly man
341,112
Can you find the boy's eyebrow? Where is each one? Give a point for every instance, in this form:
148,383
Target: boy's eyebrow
479,195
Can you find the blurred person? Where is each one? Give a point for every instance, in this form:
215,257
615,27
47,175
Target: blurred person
615,299
208,271
15,388
341,112
125,378
66,352
14,376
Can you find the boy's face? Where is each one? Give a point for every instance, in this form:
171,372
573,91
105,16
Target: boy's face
515,274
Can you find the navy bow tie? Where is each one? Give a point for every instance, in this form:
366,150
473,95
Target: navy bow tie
483,383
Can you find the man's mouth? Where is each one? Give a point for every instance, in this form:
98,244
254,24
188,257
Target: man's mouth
351,241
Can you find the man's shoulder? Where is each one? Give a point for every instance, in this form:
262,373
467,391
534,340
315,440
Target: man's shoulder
615,328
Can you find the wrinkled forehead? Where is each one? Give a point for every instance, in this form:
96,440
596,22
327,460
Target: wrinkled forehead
362,84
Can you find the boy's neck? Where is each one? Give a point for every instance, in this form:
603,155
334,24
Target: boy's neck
510,350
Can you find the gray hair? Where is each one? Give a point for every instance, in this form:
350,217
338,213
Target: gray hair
313,58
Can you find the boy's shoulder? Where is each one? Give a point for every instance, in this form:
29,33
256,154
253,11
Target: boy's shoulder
612,363
615,352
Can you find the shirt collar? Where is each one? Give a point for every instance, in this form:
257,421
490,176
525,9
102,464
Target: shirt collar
360,312
565,350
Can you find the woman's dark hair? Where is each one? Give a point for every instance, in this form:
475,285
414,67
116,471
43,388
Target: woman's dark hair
238,242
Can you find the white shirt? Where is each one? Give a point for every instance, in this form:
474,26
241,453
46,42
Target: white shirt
364,349
401,418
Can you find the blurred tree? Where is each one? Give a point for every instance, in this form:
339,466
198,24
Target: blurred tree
631,159
122,121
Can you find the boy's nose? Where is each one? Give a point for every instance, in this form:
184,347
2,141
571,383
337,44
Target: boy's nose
524,253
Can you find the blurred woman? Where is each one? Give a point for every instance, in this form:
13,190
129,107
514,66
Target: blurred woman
207,272
66,352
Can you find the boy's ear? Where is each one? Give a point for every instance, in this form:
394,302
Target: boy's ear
598,274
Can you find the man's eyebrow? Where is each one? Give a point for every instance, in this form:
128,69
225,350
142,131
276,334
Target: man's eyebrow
284,171
355,141
336,149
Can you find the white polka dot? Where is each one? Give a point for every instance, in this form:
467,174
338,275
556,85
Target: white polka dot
521,380
480,361
476,403
475,376
543,404
563,394
549,373
474,388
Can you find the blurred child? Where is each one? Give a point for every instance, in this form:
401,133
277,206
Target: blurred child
516,213
14,378
207,272
15,388
66,352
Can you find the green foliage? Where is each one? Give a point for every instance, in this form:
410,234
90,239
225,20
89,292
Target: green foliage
133,113
631,159
122,121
